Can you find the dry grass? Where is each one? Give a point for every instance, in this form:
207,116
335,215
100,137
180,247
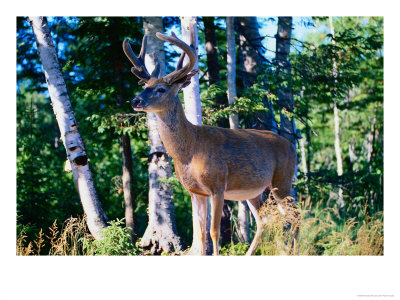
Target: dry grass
69,241
321,231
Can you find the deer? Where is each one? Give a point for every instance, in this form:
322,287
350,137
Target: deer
211,162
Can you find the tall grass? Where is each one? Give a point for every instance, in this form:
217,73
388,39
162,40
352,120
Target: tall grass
74,239
321,231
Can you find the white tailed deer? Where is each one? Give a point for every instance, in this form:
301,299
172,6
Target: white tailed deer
210,161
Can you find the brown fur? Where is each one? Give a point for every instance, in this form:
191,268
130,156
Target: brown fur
212,161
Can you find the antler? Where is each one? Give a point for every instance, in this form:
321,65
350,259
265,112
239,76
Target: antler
181,72
190,51
139,68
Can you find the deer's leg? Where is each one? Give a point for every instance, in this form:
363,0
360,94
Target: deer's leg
254,205
199,212
216,213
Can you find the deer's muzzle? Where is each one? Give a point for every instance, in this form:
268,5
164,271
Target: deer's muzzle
137,103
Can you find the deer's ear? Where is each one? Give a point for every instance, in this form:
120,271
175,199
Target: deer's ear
185,81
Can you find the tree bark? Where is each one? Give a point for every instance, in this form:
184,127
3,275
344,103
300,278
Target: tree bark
211,50
161,232
231,69
338,150
252,62
127,178
124,139
191,97
285,93
191,93
243,209
95,216
214,78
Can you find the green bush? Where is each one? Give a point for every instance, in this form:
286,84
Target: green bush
115,240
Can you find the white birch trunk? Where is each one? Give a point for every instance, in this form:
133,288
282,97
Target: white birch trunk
191,98
371,139
95,216
191,93
338,151
303,157
243,209
161,232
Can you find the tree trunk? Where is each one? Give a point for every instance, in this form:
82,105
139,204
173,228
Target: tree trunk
214,78
161,232
338,151
285,93
124,139
191,97
231,69
127,178
191,93
252,61
371,140
243,209
95,216
211,50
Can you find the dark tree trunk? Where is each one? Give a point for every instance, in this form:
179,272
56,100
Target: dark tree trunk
211,49
252,60
214,78
124,139
127,178
285,93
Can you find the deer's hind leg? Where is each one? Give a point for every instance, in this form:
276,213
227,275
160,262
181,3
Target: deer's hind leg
255,205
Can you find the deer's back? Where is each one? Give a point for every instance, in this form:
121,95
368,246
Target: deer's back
239,160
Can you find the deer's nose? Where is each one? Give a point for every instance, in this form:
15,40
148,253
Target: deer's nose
136,102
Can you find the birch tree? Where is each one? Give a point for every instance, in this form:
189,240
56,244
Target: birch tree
338,150
191,98
191,93
161,232
77,157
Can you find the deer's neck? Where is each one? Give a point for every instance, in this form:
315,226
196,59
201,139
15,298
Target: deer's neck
176,132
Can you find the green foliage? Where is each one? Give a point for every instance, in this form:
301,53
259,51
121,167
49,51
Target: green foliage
245,106
238,249
115,240
100,85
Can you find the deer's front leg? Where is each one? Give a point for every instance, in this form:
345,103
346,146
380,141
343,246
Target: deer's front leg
199,213
216,213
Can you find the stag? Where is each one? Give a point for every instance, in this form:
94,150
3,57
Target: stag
220,163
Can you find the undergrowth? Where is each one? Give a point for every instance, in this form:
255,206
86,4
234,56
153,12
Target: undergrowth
73,238
322,231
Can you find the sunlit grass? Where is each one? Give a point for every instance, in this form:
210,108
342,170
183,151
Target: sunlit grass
321,231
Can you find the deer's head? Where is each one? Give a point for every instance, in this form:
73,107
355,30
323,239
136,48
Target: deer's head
160,93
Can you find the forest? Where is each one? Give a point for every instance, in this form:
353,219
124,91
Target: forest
316,81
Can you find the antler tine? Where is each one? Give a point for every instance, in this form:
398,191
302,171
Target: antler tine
180,61
187,50
139,68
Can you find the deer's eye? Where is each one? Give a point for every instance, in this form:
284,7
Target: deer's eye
160,90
